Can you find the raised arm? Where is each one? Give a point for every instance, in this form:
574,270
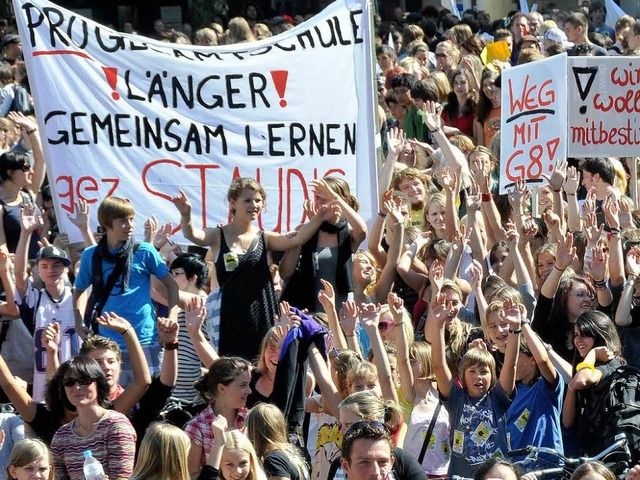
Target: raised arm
8,307
513,314
556,181
327,299
376,234
168,337
623,311
81,221
330,396
370,318
414,279
395,142
571,184
438,314
141,376
388,275
396,305
539,352
564,257
51,342
205,238
611,209
31,137
28,223
21,400
194,315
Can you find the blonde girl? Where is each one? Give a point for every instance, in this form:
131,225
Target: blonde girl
163,454
427,436
232,457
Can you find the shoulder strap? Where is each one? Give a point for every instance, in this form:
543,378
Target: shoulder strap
432,425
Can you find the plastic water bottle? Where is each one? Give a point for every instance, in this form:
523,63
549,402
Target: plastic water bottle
92,468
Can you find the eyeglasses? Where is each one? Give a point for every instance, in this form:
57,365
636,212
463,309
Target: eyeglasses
441,55
175,273
82,381
25,167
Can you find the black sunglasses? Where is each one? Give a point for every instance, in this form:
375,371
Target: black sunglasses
82,381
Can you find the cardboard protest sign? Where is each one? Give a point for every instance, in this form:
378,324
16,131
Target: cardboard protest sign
533,120
132,117
603,106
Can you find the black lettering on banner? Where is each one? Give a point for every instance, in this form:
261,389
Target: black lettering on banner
247,138
298,134
54,23
355,25
274,139
76,129
117,45
85,32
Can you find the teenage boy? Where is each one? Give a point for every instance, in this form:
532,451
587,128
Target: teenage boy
41,307
119,272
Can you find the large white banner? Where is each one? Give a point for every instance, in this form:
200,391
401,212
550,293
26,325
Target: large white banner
132,117
604,105
533,121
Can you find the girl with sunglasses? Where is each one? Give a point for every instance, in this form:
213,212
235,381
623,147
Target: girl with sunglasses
109,435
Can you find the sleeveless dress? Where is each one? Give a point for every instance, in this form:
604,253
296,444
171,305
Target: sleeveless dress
249,303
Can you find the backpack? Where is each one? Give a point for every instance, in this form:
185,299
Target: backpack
614,408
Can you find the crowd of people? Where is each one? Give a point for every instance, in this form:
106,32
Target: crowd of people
455,326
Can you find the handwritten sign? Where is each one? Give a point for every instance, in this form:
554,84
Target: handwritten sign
603,107
533,120
132,117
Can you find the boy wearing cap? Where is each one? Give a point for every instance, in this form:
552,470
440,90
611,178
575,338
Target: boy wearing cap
41,307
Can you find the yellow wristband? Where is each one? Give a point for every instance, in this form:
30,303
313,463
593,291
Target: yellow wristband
583,365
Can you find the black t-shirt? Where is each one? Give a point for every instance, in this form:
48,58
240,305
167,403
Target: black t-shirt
255,396
277,464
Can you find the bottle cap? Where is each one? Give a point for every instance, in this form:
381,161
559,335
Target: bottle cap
87,454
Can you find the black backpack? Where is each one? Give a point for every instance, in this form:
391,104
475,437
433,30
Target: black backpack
614,408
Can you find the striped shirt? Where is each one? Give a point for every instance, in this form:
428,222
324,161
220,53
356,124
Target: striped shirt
113,444
189,369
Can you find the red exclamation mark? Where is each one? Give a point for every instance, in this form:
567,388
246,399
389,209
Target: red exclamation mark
112,79
280,82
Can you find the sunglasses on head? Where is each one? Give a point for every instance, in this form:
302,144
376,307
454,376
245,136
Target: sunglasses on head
366,425
82,381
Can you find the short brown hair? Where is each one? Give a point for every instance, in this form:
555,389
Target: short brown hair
113,208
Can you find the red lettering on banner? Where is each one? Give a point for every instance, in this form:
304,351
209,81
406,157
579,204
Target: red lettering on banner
71,190
531,97
528,164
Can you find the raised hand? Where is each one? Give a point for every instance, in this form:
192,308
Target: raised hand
28,218
396,307
626,219
219,426
385,198
322,189
5,259
558,175
194,314
439,309
436,276
431,117
599,264
473,198
327,296
518,195
349,317
150,228
163,235
611,209
633,261
566,252
513,313
572,182
182,203
51,337
395,141
113,321
81,217
589,204
370,316
167,330
475,272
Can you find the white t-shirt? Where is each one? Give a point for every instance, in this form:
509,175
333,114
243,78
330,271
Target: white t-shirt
49,311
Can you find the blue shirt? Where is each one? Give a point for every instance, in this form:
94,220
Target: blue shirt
134,304
534,417
477,428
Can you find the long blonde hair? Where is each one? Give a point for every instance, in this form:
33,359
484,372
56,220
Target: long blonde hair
236,440
163,454
267,431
